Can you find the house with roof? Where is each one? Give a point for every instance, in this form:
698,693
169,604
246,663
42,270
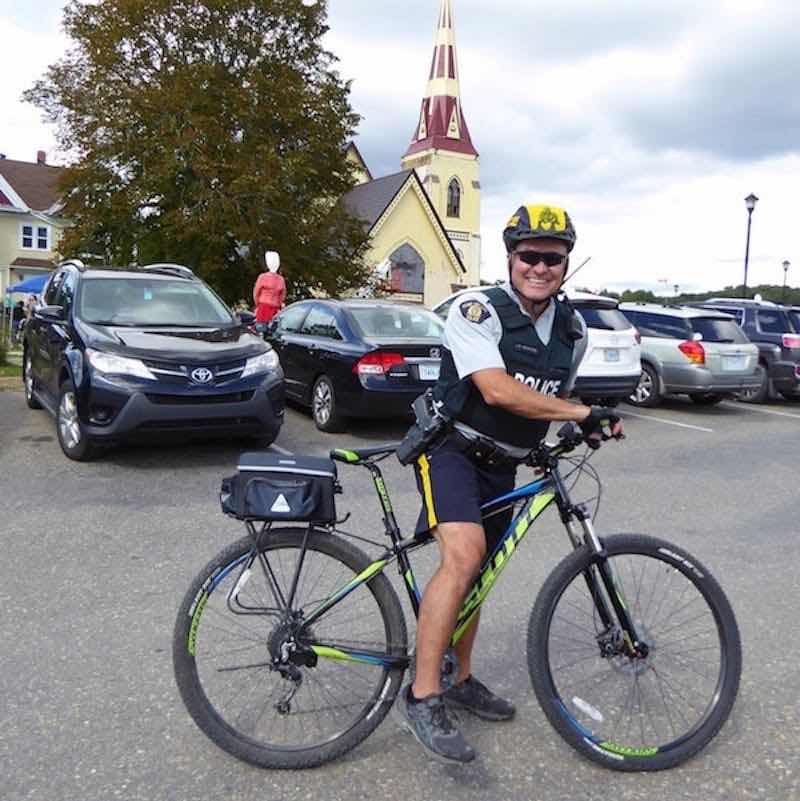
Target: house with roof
424,221
31,224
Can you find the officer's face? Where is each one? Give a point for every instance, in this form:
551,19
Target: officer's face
538,282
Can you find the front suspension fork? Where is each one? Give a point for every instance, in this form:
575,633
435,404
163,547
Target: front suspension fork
634,647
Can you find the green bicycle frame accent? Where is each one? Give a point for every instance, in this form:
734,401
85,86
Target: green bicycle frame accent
494,567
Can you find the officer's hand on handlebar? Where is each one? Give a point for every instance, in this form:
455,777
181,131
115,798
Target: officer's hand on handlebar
601,424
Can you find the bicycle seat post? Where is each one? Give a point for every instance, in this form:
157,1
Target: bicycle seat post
389,520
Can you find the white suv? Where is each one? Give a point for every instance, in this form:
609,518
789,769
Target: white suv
610,369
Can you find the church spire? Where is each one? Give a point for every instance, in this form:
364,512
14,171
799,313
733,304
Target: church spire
441,123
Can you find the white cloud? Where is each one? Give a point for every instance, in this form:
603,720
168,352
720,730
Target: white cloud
649,121
25,53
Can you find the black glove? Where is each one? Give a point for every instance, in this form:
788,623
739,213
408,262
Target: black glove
600,425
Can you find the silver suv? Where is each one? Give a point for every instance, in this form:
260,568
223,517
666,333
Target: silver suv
694,352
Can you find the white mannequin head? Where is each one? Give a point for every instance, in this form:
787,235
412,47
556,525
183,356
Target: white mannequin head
272,261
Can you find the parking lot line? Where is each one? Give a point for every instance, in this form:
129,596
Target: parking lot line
280,450
763,411
667,422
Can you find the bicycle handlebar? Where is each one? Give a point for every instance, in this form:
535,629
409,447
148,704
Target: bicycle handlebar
570,437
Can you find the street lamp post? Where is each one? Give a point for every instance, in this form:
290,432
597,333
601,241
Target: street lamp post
750,202
785,275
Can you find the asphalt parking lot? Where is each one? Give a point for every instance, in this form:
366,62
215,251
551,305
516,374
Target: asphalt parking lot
97,557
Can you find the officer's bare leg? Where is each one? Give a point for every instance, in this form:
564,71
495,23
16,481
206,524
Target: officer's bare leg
462,547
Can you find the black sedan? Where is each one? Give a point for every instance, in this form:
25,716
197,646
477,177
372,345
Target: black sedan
356,358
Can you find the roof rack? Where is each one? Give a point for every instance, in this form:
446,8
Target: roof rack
744,301
171,269
74,262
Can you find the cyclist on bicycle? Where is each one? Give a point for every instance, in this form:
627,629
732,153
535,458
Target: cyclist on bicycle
509,361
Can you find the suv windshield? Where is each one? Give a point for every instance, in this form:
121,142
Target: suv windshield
397,321
604,319
717,329
150,302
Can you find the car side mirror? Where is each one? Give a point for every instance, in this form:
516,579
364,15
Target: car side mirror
54,314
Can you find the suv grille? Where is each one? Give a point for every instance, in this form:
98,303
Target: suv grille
180,374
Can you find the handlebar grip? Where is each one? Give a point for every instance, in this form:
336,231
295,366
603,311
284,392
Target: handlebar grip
569,431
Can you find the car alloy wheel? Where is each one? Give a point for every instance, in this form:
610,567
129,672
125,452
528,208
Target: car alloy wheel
29,383
644,389
323,402
324,407
647,392
68,423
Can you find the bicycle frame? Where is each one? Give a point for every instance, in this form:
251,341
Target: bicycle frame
538,496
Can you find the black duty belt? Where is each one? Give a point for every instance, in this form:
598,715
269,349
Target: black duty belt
483,452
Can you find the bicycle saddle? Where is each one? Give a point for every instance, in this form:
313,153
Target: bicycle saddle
357,455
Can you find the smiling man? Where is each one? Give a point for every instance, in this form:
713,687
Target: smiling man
509,361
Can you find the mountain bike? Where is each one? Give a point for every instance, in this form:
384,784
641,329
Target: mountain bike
291,645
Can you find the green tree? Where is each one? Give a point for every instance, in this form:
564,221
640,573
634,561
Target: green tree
639,296
206,132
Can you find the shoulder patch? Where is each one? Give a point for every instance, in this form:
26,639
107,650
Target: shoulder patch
474,311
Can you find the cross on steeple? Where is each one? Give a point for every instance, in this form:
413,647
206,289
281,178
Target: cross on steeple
441,123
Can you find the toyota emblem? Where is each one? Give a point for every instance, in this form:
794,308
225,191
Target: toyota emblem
436,353
202,375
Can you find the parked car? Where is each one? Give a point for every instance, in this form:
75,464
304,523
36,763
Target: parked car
794,317
356,358
610,369
118,354
775,330
695,352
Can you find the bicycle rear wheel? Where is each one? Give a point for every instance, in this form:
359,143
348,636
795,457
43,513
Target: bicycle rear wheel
646,713
233,670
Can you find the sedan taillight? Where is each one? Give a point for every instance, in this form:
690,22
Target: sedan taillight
791,341
378,363
693,351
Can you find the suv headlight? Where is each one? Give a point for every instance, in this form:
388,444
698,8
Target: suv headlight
261,364
111,364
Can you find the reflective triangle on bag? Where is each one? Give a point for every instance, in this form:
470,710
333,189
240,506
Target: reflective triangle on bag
281,505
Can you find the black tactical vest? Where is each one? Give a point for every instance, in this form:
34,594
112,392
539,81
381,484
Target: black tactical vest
543,368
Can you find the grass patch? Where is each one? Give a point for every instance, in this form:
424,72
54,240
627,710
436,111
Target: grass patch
10,371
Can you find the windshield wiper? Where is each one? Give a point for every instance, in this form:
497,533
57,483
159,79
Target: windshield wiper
110,322
204,326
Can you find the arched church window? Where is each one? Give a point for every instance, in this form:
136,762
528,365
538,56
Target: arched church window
407,271
454,198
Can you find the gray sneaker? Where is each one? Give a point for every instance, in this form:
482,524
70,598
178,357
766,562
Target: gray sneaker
429,722
477,698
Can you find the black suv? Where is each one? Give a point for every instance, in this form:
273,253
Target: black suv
118,354
776,332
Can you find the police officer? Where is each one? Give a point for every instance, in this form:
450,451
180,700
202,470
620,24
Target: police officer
509,361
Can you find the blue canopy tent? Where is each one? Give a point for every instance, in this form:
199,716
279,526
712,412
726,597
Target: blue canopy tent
30,286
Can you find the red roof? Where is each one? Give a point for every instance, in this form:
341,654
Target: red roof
438,112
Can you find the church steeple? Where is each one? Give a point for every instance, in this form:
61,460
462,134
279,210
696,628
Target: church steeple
441,123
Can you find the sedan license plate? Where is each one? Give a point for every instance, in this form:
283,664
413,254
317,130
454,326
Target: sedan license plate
429,372
612,354
734,362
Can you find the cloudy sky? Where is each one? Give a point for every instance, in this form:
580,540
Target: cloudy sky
650,120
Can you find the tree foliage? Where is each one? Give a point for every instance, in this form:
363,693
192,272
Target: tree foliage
206,132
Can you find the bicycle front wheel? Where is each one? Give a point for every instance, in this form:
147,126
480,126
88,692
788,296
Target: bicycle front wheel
635,713
263,686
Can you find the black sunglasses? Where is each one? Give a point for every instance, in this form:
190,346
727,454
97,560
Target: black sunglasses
533,257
